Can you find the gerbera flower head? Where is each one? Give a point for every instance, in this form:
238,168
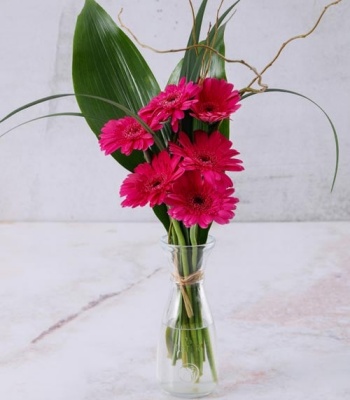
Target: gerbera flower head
211,154
126,134
216,101
171,103
194,200
151,182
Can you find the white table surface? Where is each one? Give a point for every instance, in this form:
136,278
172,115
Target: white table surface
81,305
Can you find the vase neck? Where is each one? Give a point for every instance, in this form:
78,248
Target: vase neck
187,262
194,278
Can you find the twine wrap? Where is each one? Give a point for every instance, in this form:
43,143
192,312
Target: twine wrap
183,281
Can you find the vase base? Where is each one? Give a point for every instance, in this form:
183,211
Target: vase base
188,391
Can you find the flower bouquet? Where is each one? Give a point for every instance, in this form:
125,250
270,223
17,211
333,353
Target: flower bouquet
176,145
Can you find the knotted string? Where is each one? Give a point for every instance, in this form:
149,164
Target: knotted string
183,281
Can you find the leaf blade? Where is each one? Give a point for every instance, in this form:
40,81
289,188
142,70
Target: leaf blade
107,64
335,135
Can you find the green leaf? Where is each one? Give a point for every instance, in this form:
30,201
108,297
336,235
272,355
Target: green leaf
34,103
192,63
190,57
61,114
203,234
175,75
97,118
193,59
216,40
107,64
161,212
324,112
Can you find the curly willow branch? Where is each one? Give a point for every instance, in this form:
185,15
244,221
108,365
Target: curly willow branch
183,49
193,20
258,76
302,36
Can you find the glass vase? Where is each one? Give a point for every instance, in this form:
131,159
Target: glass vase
186,365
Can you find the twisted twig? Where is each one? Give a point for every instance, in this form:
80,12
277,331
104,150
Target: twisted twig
302,36
183,49
258,75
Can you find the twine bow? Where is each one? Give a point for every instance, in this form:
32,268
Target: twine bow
183,281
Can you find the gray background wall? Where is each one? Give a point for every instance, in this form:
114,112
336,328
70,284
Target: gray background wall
53,170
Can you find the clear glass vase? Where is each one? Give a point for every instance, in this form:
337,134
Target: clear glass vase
186,365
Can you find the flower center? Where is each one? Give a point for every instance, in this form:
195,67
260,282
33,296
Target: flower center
197,200
156,183
200,202
209,107
132,131
205,158
171,99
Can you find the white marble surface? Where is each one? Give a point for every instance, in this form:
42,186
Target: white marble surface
80,308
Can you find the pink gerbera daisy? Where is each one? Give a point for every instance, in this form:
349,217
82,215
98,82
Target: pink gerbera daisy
126,134
150,183
211,154
216,101
197,201
171,103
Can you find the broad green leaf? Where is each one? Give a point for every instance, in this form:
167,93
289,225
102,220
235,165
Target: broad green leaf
217,42
192,62
107,64
190,67
324,112
216,65
161,212
193,59
175,75
191,55
203,234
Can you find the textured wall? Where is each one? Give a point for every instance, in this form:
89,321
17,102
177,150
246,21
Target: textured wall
53,169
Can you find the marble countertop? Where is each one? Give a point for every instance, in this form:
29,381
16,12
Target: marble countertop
81,305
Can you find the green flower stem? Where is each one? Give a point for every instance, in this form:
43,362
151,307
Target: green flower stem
193,235
176,340
178,232
190,340
184,350
210,353
196,309
192,344
184,263
198,318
